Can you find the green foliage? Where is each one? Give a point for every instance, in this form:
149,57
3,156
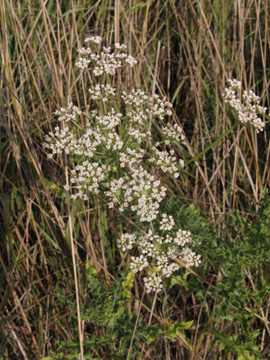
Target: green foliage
60,193
74,356
251,246
241,257
108,310
172,330
189,217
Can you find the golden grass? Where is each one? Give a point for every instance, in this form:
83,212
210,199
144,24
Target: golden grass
186,50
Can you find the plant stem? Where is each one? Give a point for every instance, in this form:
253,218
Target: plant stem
74,266
213,144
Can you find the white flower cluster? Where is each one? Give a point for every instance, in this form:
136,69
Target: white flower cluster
137,188
135,98
120,47
139,136
131,61
147,244
109,121
153,283
58,141
87,144
138,191
190,258
159,107
159,252
167,269
95,39
154,106
131,157
183,237
90,175
126,241
167,162
138,263
247,106
167,222
137,117
174,133
114,156
102,92
70,113
106,62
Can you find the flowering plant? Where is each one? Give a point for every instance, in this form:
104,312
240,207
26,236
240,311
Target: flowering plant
117,159
247,105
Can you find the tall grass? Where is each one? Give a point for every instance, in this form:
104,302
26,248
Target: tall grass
186,50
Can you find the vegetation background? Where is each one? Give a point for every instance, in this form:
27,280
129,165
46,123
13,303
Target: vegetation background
186,50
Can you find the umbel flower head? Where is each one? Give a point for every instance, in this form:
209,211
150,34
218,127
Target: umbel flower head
156,252
246,105
105,62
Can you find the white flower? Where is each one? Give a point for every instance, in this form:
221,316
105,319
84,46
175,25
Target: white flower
131,61
190,258
95,39
153,283
120,47
167,222
126,241
67,114
247,106
183,237
83,63
166,161
174,133
138,263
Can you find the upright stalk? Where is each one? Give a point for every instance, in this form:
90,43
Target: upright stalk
74,266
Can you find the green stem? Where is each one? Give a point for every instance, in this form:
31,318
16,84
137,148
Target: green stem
213,144
204,151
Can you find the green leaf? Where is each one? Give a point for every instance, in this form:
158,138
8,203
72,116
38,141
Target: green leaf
176,329
178,280
128,283
126,295
229,343
71,345
178,89
92,342
245,356
153,335
182,325
90,269
47,236
59,192
221,311
173,332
